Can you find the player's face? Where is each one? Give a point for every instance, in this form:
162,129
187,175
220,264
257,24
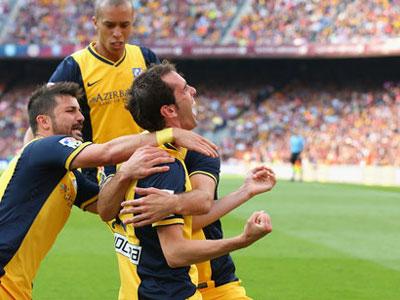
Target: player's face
114,27
67,117
184,98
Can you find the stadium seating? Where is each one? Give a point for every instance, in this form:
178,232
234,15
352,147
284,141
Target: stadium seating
13,120
48,23
327,22
157,22
341,126
182,22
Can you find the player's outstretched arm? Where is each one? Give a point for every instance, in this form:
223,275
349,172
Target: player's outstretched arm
157,204
144,162
121,148
180,252
259,180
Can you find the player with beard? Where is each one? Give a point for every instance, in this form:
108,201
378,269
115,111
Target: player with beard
42,182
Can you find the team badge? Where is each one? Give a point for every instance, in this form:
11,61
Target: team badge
70,142
136,72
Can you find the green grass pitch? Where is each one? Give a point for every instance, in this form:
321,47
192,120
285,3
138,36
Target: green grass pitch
329,241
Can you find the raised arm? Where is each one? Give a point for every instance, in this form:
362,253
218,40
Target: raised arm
180,252
259,180
199,202
120,149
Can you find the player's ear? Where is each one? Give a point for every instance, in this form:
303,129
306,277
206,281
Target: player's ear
94,21
168,111
43,122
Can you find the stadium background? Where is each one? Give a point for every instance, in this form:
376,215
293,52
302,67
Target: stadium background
328,68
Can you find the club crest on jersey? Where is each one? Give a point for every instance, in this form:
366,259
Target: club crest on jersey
136,72
70,142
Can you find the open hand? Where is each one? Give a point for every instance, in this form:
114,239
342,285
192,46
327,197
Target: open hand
145,161
260,180
154,206
193,141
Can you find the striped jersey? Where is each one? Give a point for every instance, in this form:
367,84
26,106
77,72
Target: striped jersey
37,192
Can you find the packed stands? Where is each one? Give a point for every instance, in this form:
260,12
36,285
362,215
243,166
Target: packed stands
162,22
49,23
355,126
180,22
328,22
43,22
341,126
13,119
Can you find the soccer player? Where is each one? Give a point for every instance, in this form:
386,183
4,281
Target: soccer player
155,261
41,183
105,71
217,279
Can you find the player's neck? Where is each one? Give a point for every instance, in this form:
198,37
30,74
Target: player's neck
107,54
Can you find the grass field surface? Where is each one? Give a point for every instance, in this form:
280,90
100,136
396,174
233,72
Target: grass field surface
329,241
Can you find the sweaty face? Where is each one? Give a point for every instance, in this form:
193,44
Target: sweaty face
184,98
67,118
114,27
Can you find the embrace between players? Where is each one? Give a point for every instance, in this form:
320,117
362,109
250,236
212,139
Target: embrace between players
158,189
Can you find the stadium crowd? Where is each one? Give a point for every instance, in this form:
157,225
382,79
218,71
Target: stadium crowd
190,21
52,23
341,126
349,126
157,22
13,120
326,21
165,22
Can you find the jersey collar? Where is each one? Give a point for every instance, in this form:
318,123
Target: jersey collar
93,51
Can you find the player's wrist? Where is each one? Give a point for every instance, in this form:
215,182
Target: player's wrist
124,175
164,136
176,204
245,192
243,241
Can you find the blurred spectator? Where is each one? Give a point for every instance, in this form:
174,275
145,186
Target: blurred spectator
4,11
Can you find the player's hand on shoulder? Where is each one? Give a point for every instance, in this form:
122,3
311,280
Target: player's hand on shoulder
154,206
145,161
193,141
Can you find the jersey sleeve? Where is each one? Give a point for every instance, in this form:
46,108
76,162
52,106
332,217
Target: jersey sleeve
172,181
87,191
55,151
67,70
149,56
197,163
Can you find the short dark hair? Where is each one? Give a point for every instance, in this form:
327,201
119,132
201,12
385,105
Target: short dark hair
148,94
43,99
100,3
